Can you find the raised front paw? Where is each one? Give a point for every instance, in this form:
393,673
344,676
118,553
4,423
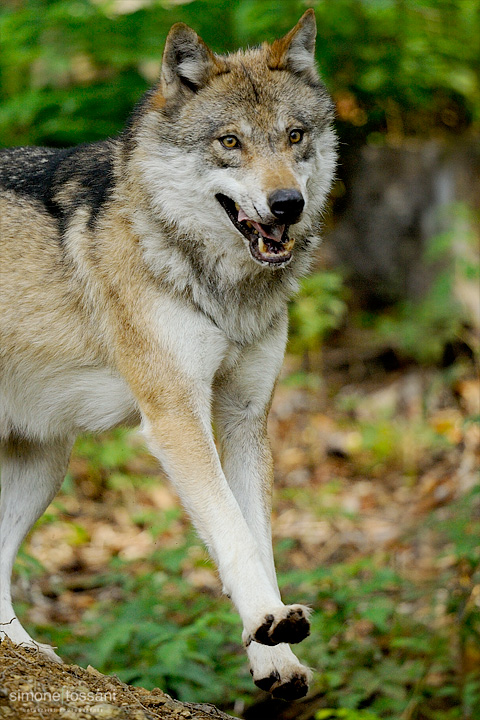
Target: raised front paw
277,671
287,624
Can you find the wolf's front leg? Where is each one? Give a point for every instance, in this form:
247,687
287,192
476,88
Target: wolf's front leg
171,374
184,444
242,399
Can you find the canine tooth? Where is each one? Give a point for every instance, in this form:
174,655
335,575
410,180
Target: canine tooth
289,245
261,245
249,224
237,206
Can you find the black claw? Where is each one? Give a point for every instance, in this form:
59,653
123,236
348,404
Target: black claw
262,635
296,688
266,683
292,629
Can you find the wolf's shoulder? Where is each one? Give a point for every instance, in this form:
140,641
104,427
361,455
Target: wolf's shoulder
43,174
29,170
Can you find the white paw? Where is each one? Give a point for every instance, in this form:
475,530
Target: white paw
278,671
284,624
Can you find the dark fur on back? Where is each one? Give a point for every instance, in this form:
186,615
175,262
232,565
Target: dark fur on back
61,180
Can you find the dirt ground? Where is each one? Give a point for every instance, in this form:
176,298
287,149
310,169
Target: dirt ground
33,687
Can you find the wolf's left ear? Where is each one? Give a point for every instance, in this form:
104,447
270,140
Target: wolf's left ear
186,62
296,50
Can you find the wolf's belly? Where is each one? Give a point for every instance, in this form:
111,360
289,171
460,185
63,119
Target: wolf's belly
59,402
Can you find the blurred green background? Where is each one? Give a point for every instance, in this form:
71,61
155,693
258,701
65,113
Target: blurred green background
70,70
375,429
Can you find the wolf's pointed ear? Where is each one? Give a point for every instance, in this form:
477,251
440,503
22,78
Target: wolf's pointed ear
296,50
186,60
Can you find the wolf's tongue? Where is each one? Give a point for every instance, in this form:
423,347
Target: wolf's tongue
274,232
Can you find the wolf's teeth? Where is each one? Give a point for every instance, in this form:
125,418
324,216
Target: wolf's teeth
289,245
261,245
237,206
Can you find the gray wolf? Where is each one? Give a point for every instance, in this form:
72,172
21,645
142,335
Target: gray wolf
145,279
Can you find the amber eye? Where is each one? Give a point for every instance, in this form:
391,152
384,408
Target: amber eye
230,142
295,136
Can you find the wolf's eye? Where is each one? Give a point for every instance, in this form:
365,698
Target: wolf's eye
295,136
230,142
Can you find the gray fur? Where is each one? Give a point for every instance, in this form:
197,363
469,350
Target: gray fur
147,278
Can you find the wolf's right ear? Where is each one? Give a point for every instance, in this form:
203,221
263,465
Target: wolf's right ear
187,61
296,51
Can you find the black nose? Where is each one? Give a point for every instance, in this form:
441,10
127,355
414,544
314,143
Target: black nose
286,205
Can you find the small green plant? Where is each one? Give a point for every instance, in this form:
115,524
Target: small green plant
166,634
318,309
345,714
109,451
421,330
391,648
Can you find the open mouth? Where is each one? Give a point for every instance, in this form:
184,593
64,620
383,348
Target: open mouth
268,244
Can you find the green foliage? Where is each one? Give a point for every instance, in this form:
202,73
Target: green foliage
165,634
318,309
344,714
384,645
395,442
27,566
110,451
421,330
380,648
404,61
71,70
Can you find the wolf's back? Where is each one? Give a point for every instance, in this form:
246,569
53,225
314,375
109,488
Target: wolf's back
59,181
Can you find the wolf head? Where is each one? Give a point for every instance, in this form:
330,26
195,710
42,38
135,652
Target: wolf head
236,153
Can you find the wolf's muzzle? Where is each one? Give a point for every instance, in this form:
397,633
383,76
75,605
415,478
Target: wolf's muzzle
286,205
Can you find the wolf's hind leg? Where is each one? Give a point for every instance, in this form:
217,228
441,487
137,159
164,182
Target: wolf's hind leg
31,474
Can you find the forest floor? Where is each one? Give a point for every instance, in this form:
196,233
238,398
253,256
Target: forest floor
376,464
34,687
